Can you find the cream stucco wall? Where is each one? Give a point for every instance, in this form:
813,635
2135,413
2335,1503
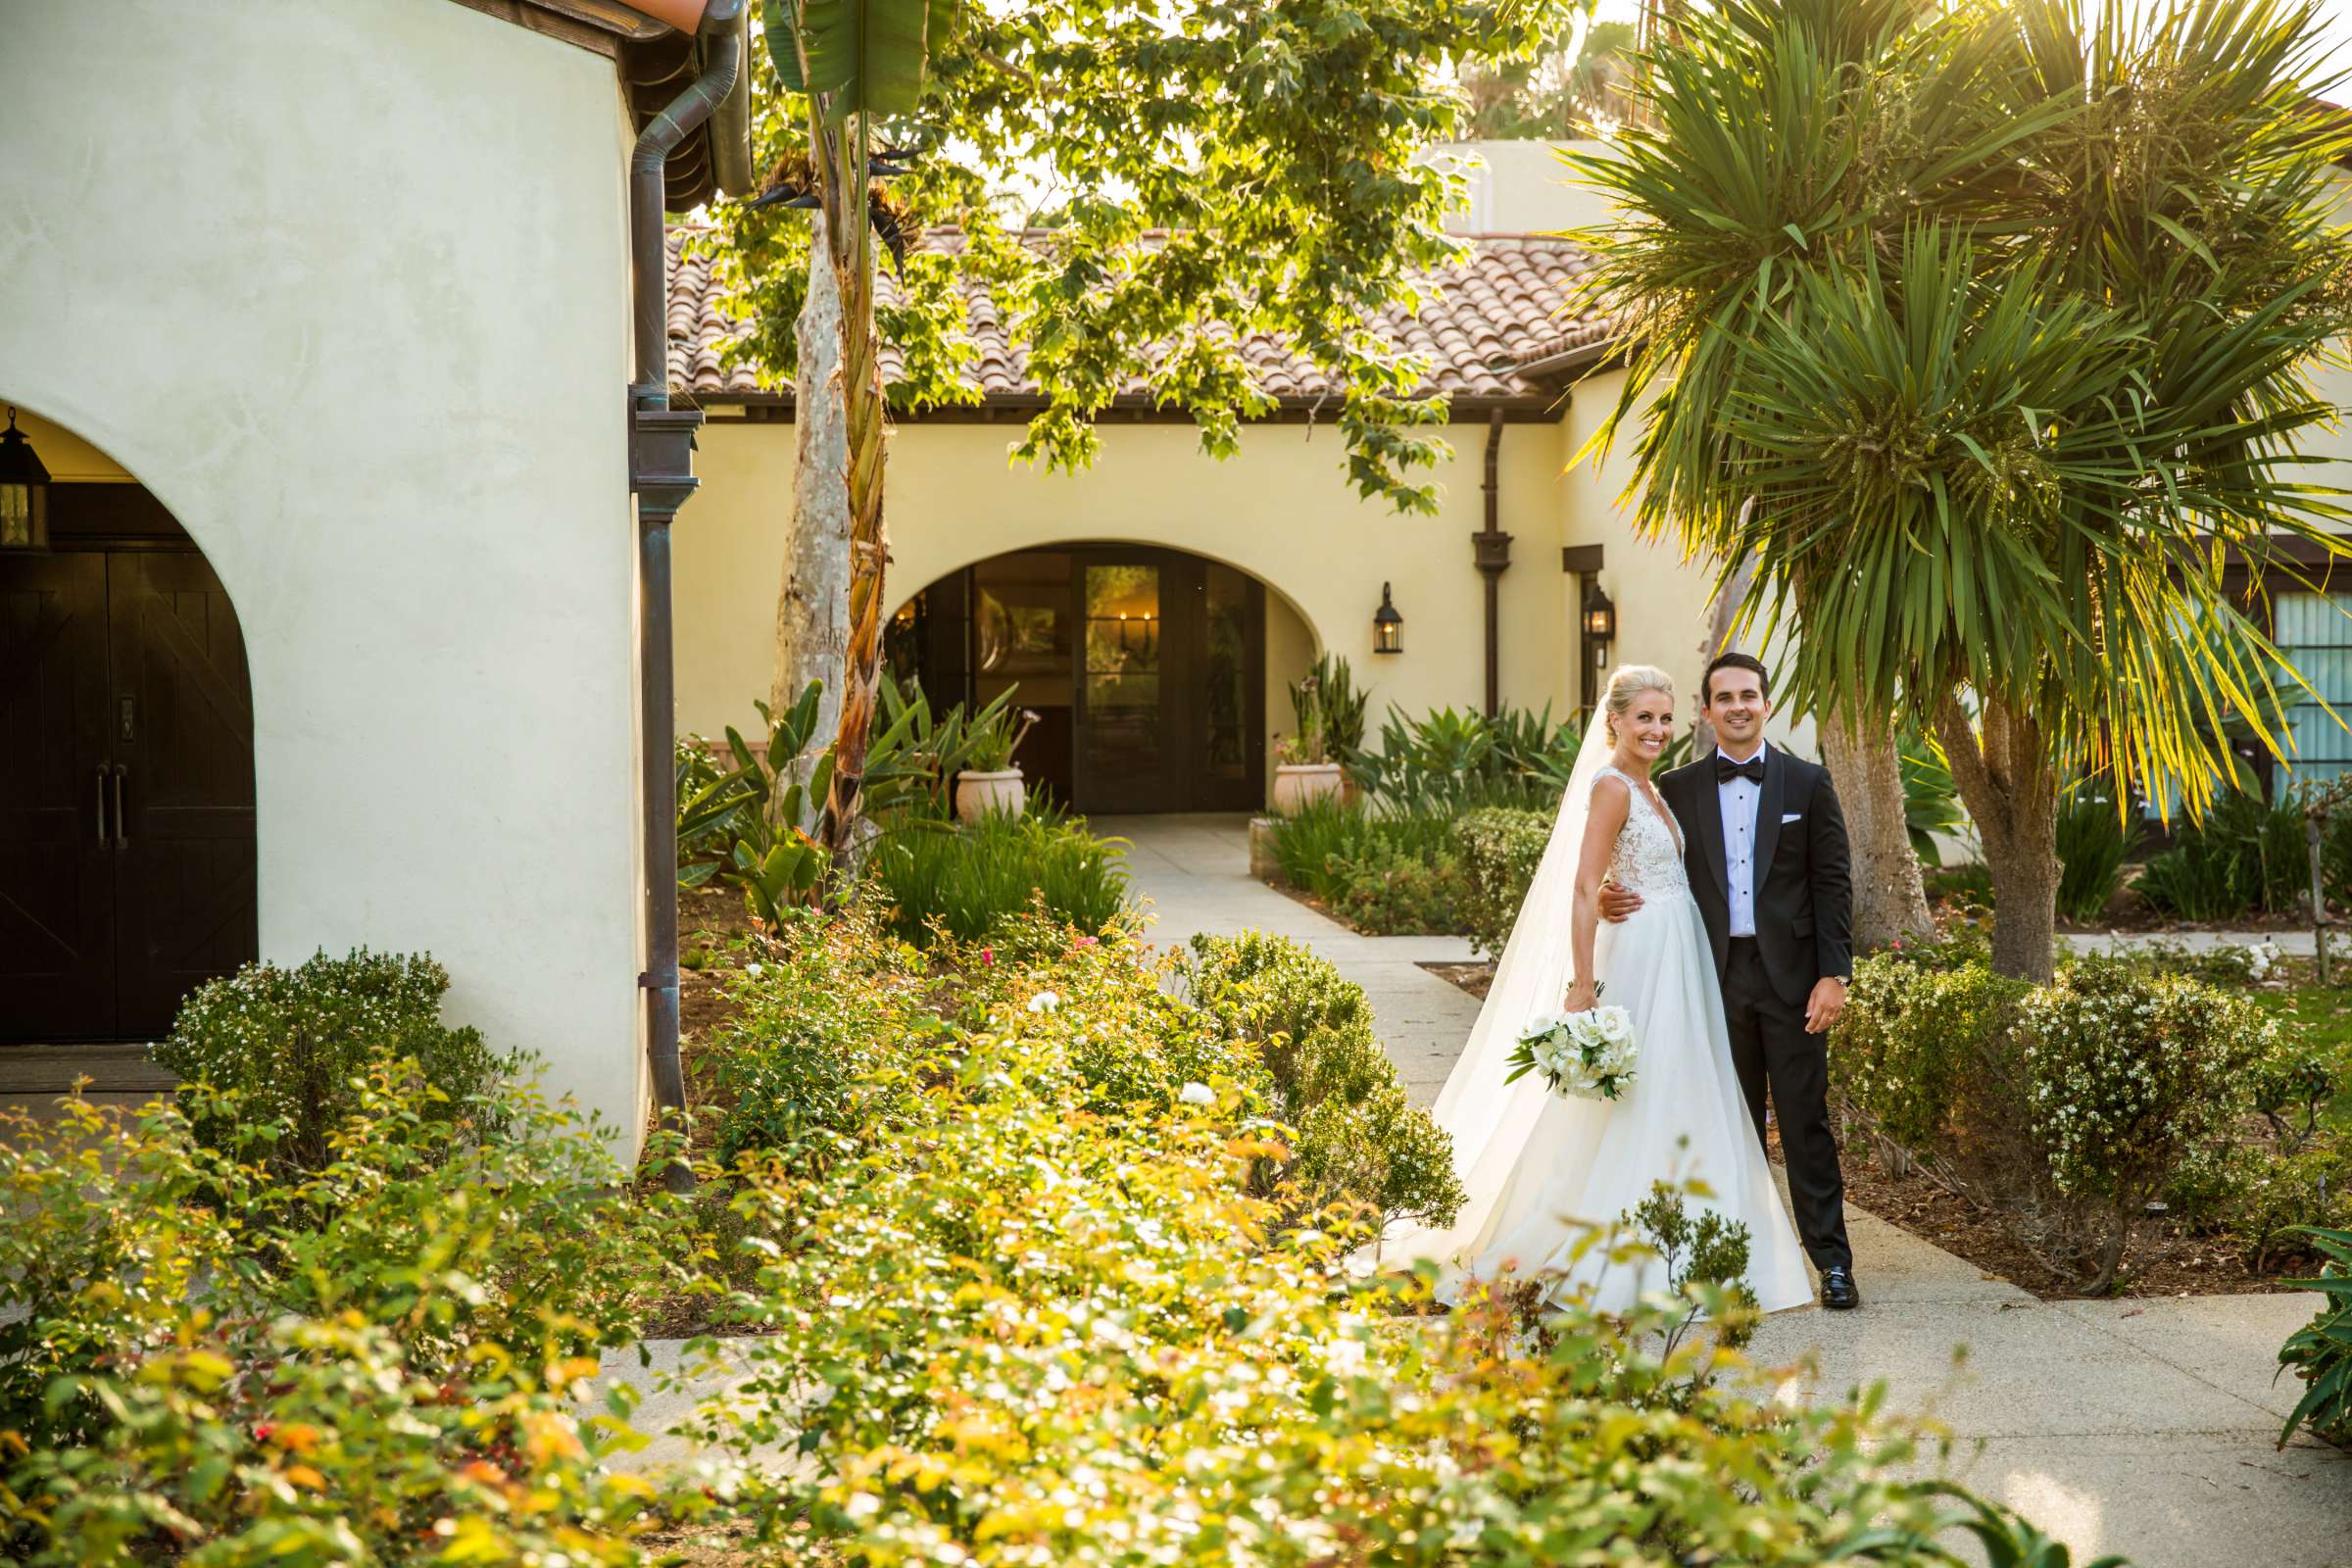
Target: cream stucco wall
1280,509
344,283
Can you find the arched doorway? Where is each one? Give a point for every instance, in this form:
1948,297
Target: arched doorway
1145,668
128,871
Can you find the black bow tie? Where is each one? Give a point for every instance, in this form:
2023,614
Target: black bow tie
1751,770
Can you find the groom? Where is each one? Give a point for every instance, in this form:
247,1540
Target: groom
1765,844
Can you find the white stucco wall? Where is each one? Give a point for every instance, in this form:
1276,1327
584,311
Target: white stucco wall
344,283
1281,510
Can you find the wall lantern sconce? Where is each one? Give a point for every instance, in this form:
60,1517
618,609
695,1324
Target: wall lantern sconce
1601,620
24,492
1388,626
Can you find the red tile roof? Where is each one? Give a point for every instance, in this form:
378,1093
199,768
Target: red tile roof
1505,309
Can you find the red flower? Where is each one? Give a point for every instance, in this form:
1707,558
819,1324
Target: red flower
988,954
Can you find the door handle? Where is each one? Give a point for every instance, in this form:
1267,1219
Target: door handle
122,831
102,772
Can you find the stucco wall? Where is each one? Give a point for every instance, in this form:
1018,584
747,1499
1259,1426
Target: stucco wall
1280,509
344,283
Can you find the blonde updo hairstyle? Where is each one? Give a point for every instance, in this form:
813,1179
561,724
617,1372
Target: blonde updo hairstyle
1627,682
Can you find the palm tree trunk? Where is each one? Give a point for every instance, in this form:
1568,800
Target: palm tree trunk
865,425
2002,770
1890,900
812,628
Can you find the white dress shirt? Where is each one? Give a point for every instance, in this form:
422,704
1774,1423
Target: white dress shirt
1739,798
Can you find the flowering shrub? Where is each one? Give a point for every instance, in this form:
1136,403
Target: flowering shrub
1912,1038
792,1073
290,1047
206,1357
1018,1333
314,1442
2067,1108
1392,893
1500,850
2127,1073
1359,1136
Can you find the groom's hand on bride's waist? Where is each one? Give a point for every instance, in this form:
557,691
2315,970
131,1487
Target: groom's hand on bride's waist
1616,902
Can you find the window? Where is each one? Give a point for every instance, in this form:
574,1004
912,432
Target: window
2314,631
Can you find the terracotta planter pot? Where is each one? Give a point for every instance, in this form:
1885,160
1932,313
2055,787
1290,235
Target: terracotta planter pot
978,795
1297,783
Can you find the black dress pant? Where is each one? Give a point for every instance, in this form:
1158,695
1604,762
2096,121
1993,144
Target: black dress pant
1770,1046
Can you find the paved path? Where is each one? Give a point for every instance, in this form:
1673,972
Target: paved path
2142,1427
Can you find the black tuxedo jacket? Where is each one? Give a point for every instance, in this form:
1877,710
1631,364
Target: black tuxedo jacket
1804,888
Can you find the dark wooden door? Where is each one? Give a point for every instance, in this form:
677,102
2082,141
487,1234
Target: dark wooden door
127,791
57,863
181,728
1170,709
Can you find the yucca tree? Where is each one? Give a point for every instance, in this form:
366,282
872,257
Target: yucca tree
1985,332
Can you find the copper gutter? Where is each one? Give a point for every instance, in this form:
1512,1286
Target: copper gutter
1491,549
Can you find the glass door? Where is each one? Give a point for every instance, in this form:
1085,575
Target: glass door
1131,696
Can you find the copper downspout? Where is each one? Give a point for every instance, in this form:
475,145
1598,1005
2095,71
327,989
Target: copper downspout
661,476
1491,549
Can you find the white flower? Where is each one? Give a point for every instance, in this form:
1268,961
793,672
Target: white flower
1612,1025
753,970
1044,1002
1196,1095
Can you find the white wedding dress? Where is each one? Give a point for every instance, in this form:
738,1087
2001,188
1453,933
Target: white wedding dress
1544,1170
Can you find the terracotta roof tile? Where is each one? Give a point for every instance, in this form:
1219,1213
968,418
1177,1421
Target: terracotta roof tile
1500,311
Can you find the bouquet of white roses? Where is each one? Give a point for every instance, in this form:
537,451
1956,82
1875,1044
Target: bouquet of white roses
1588,1055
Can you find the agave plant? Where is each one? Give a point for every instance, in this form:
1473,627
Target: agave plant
2321,1352
760,817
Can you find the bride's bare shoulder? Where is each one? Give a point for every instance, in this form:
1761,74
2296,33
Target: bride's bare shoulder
1613,795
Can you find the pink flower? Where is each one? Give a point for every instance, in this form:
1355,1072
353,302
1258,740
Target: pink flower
1085,941
988,954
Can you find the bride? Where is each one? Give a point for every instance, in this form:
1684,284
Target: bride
1542,1170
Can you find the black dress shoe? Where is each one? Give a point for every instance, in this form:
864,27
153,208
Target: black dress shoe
1838,1291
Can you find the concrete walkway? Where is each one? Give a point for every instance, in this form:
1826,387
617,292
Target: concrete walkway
2140,1427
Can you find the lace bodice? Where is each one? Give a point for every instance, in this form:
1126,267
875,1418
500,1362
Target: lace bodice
1648,856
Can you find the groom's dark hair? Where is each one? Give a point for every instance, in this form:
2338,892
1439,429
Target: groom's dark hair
1747,661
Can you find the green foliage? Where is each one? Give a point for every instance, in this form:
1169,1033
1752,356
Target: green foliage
1707,1252
293,1046
1912,1039
796,1071
967,878
1576,83
1017,1330
209,1358
1340,702
2240,857
2093,843
316,1443
1389,872
2321,1352
2064,1107
1446,762
1500,850
1360,1139
105,1243
1393,892
996,732
1292,132
1931,804
757,825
